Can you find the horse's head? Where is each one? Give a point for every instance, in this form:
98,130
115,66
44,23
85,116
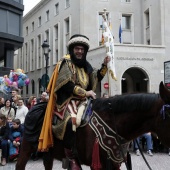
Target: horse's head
163,123
164,93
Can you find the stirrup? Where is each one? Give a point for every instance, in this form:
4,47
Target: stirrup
71,162
74,165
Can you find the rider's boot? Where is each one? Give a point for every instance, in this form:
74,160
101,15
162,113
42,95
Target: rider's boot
72,161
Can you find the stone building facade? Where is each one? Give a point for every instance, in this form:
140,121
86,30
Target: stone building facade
139,57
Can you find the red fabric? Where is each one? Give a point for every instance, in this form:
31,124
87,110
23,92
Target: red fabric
96,165
13,150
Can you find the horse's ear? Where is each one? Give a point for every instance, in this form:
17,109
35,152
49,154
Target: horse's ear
164,93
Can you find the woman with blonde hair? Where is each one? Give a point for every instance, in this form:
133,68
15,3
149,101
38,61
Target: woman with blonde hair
31,102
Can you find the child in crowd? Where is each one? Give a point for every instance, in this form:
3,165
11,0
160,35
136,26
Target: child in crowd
9,120
15,137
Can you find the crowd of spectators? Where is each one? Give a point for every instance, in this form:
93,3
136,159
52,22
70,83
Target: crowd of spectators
13,111
12,116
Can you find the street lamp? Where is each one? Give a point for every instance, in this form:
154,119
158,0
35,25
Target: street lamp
46,49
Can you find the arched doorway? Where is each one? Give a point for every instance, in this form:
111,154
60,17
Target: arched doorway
134,80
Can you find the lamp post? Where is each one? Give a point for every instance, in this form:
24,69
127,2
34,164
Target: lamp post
46,50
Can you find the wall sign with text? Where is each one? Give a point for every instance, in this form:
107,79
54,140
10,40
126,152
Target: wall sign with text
167,74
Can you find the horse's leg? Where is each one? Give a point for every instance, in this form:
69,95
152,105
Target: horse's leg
48,159
24,155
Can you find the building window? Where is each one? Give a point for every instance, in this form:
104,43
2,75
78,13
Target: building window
67,3
20,58
39,51
147,27
32,55
126,22
26,57
67,26
47,15
39,21
67,31
100,21
147,18
26,30
47,37
56,42
33,87
56,31
57,57
148,42
39,86
57,9
32,26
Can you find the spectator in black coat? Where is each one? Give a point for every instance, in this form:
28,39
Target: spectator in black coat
4,133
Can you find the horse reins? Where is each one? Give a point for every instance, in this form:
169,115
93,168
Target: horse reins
143,155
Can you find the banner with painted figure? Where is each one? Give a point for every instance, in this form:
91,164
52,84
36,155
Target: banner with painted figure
109,44
16,79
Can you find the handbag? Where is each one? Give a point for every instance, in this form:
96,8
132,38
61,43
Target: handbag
9,111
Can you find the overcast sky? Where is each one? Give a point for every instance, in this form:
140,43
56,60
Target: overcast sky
29,4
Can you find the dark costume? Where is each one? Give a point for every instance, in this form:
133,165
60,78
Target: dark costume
70,90
71,79
4,133
76,76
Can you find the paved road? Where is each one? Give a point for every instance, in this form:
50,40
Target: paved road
160,161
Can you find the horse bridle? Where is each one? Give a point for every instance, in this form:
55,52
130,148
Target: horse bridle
165,111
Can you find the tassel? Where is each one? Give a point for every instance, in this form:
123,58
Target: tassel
96,165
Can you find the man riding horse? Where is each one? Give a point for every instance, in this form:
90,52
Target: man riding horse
76,81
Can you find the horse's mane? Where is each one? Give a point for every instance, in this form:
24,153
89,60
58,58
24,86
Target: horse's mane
125,103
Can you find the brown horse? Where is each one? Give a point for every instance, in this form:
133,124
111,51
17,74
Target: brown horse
131,114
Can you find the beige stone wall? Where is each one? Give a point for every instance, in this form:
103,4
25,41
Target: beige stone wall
83,17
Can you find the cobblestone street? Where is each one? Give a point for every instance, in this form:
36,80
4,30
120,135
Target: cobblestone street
160,161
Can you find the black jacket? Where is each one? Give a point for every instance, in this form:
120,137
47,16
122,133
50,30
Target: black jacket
4,131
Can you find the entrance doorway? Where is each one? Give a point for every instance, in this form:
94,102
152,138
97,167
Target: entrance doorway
134,80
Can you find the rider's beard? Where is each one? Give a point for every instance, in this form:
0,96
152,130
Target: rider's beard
79,62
